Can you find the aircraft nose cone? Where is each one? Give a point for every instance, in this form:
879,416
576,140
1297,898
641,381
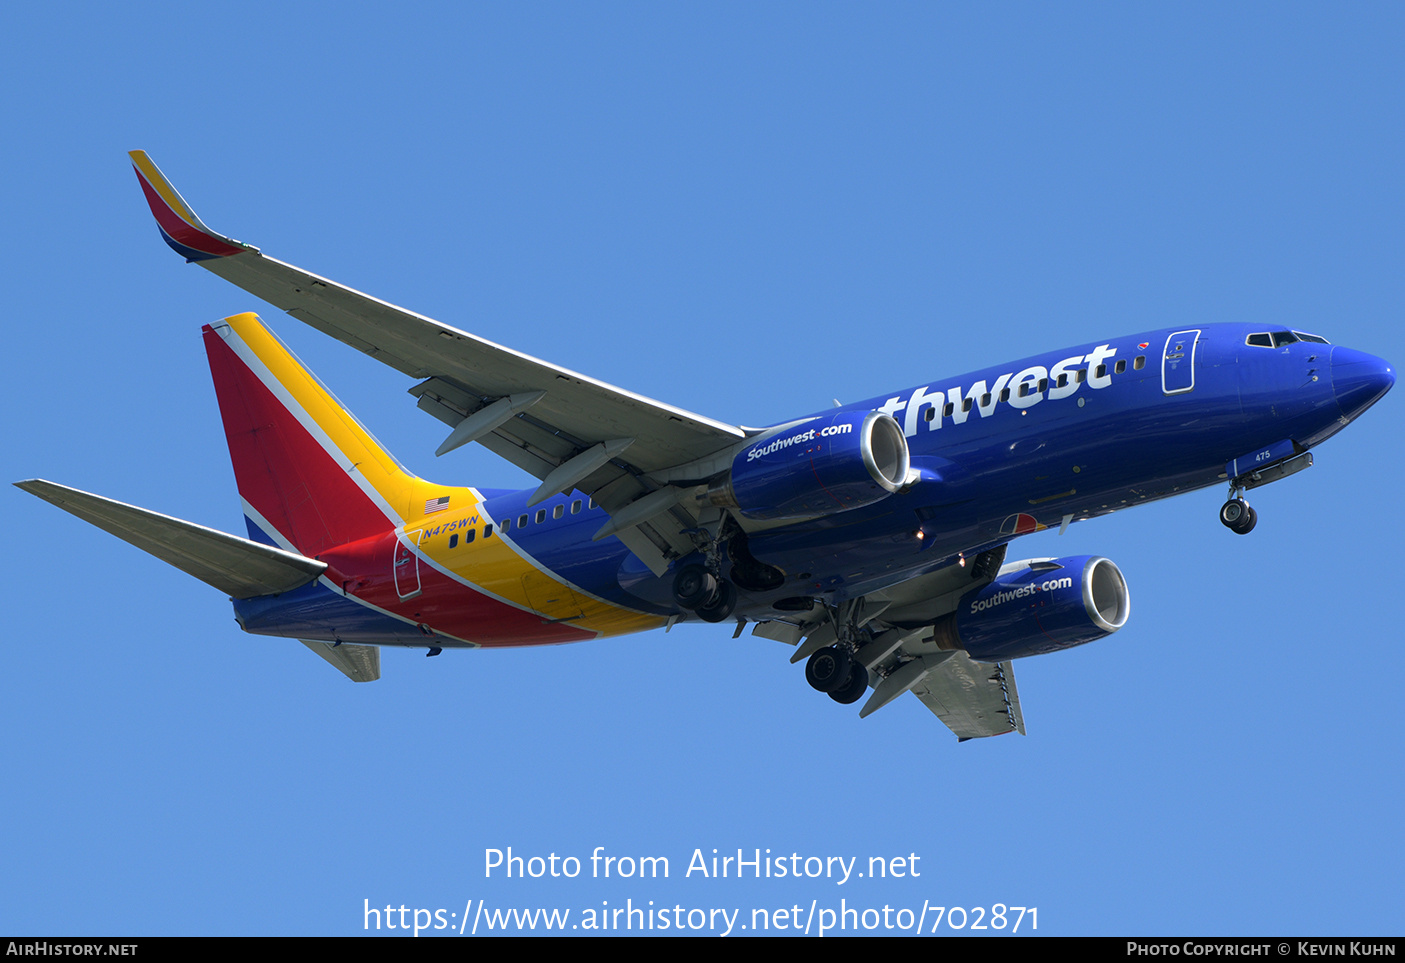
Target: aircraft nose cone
1359,380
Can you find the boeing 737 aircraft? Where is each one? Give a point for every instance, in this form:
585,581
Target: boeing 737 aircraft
872,537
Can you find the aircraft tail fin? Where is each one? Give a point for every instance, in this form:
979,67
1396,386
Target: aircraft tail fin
311,476
236,566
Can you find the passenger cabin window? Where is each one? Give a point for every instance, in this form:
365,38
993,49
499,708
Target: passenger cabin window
1004,394
1081,375
468,535
576,507
949,409
487,531
1102,368
454,540
930,414
507,524
1140,362
591,504
966,405
558,511
1063,380
1121,366
521,521
541,516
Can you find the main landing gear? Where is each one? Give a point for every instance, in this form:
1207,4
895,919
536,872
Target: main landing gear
699,590
1236,515
833,670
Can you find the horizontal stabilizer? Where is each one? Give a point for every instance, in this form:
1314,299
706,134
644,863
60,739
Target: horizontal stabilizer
238,567
973,698
359,663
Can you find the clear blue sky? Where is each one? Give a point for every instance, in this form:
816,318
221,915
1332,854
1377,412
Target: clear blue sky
745,212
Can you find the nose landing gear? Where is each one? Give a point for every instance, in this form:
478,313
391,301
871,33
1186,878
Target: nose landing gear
1236,515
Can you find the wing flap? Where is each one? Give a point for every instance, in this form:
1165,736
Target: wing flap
974,699
236,566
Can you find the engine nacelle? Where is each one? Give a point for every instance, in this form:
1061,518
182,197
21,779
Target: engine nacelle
828,464
1044,605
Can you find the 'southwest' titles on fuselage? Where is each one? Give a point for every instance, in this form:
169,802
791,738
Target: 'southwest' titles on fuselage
1020,389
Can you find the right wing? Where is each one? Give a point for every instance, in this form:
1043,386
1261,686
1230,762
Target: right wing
565,428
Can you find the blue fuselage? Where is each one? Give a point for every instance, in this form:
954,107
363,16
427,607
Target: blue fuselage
1061,436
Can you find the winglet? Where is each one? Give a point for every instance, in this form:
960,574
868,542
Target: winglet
182,230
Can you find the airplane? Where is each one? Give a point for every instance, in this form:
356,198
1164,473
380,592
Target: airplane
871,537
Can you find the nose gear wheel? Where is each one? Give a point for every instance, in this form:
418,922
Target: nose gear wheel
1236,515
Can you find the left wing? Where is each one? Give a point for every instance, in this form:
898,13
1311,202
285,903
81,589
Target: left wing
565,428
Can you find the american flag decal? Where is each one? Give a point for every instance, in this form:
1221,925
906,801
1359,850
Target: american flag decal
436,504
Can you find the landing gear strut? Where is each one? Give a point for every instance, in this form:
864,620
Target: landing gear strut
1236,515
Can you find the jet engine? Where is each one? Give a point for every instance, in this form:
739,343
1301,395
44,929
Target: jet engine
825,465
1038,606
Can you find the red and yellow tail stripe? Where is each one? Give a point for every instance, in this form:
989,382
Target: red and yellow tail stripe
300,458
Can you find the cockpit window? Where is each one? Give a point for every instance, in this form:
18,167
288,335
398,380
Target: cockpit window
1278,339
